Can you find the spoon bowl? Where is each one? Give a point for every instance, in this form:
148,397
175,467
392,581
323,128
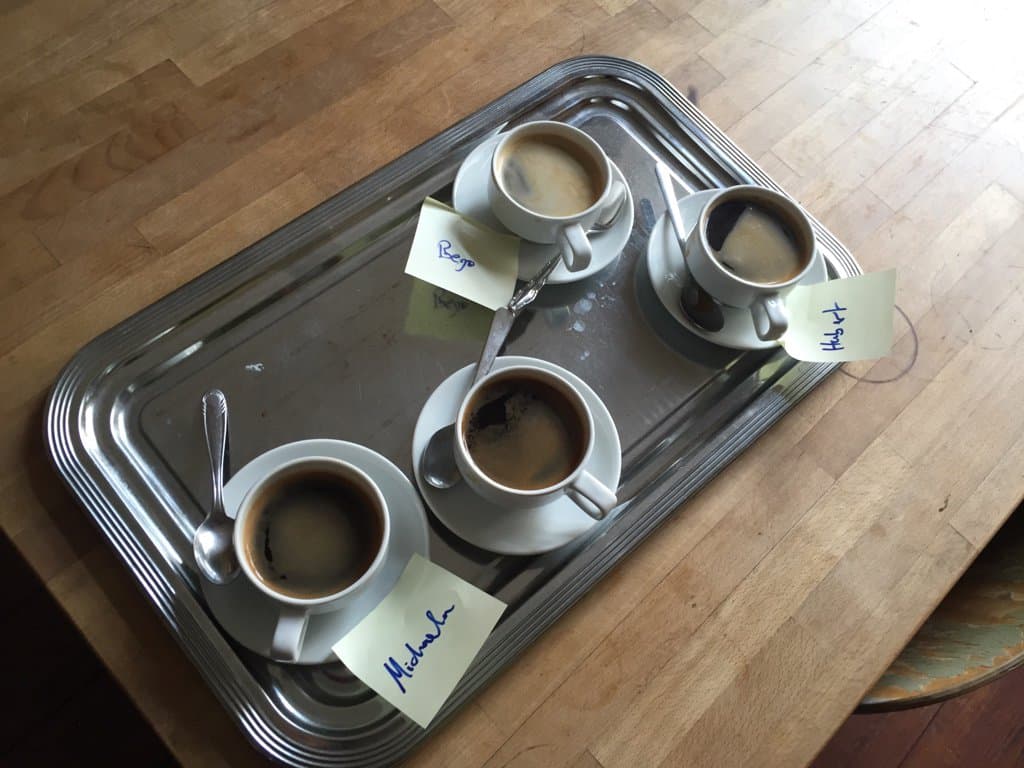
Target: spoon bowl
216,561
437,463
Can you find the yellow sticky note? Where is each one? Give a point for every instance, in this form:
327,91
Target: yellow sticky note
418,642
462,256
842,320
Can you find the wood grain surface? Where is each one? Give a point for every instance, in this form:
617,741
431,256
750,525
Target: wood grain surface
144,141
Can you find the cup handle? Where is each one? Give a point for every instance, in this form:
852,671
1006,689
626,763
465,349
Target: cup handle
576,252
289,634
770,317
610,212
592,496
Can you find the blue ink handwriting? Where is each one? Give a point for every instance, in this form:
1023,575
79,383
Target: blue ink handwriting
399,670
444,252
831,343
835,309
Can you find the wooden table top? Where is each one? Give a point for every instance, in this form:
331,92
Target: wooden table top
143,142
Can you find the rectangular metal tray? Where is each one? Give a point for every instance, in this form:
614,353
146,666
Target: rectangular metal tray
322,304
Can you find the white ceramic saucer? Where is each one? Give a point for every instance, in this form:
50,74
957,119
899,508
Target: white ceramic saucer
488,526
249,616
469,197
665,265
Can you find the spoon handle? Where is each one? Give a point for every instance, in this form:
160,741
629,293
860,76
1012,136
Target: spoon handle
215,424
501,324
528,292
671,202
503,318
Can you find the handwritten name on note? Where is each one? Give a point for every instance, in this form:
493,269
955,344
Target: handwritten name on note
398,670
416,645
444,251
841,320
463,256
831,342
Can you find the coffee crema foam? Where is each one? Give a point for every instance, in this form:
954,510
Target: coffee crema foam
524,434
753,244
313,533
549,175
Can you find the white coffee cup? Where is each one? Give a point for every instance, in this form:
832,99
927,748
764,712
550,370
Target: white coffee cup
766,300
296,611
569,229
592,496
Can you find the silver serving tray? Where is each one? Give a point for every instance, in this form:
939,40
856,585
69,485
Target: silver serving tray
321,304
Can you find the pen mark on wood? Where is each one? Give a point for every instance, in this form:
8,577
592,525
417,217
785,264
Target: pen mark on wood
522,752
906,368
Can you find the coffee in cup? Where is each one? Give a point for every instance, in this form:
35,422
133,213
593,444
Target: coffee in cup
523,437
524,433
312,533
549,175
552,183
749,248
754,243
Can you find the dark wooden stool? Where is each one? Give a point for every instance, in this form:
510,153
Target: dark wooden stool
974,636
